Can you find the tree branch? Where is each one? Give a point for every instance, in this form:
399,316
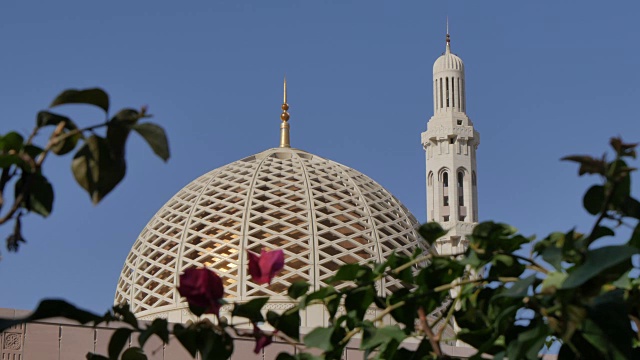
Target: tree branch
435,344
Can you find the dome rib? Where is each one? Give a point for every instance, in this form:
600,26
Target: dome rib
368,211
246,214
313,234
176,296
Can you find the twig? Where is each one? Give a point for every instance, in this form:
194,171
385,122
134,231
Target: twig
536,266
607,200
384,313
411,263
427,330
25,189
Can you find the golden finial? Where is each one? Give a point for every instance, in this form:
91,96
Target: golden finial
284,126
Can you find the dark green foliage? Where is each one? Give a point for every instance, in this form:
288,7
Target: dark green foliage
298,289
250,310
96,97
287,322
98,165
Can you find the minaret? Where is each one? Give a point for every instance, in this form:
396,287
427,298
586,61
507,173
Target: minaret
450,144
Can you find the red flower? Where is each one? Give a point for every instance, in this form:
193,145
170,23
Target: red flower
264,267
262,339
203,290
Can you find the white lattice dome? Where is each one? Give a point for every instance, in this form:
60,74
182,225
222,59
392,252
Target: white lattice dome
321,213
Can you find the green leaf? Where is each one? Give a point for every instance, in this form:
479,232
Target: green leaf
46,118
95,169
288,322
126,117
134,353
505,265
597,262
431,232
298,289
285,356
12,141
117,135
53,308
630,207
92,356
7,161
373,337
601,231
251,309
588,164
553,281
553,255
348,272
520,288
214,345
529,342
33,151
608,312
187,337
635,237
319,338
594,199
126,315
96,97
119,340
158,327
155,137
65,146
359,299
38,193
394,261
405,314
320,294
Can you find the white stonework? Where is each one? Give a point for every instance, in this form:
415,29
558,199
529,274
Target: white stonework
450,144
322,214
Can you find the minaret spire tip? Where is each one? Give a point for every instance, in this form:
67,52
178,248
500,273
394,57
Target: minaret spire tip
448,37
284,126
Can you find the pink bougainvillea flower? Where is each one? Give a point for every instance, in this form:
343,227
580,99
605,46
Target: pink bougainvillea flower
264,267
262,339
203,289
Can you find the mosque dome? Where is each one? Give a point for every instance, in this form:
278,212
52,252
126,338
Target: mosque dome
448,61
322,214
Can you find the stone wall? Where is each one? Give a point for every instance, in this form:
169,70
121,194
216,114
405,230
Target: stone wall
61,339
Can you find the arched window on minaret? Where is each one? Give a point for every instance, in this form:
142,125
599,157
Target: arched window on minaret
445,196
473,178
430,195
453,92
447,87
461,209
459,98
441,93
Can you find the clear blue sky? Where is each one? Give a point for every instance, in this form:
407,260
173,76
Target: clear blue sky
544,79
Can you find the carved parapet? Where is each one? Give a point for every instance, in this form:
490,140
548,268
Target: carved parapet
435,131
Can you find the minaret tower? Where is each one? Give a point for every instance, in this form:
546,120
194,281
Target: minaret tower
450,143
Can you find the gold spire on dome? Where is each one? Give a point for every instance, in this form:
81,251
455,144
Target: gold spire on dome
284,126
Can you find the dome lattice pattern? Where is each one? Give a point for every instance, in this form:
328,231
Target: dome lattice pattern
321,213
